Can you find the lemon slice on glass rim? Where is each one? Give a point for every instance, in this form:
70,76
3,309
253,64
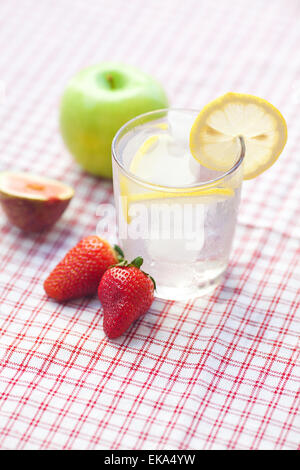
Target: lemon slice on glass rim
215,134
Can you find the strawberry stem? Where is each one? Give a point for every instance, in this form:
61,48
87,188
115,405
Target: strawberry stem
119,253
152,279
137,262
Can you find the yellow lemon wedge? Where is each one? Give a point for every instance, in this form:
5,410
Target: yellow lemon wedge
146,147
214,137
152,195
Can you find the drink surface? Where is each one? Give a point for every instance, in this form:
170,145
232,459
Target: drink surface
166,158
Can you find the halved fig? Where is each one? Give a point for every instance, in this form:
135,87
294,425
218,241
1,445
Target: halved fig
31,202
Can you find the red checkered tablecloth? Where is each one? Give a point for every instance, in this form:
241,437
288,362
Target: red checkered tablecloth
220,372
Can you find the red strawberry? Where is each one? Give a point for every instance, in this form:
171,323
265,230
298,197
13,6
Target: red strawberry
126,293
80,271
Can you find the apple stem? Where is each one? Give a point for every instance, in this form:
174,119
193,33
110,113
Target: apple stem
111,81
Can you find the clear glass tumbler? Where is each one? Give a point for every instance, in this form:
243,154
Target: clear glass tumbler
179,216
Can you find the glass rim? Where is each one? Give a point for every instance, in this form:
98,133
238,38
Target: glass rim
160,187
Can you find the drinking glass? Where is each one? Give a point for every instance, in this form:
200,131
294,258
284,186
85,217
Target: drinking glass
179,216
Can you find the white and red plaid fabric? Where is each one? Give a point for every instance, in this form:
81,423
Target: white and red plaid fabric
220,372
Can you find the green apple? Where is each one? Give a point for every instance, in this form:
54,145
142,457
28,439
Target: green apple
96,103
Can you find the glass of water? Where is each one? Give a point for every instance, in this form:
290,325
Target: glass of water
178,215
